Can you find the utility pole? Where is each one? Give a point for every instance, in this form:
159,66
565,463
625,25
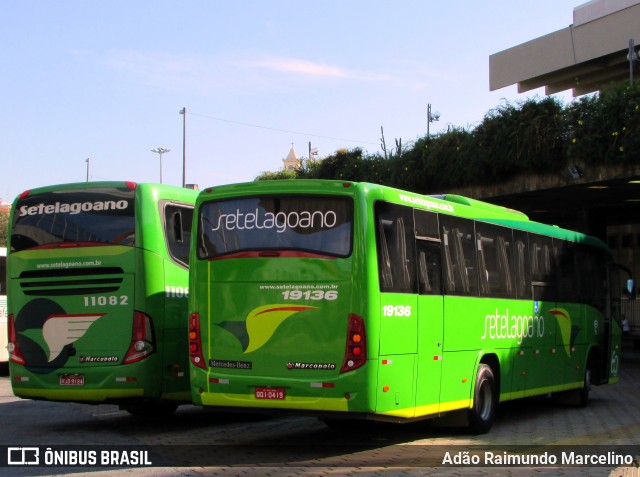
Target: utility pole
632,56
431,117
160,151
87,161
183,111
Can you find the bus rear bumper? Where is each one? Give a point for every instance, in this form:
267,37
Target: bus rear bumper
91,385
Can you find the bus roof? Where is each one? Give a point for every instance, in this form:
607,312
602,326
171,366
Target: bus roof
104,184
450,204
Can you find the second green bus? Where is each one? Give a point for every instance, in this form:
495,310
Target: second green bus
98,285
344,299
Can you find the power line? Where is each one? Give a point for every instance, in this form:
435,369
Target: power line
281,130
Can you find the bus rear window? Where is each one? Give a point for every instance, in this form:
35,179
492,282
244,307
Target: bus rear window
315,224
102,216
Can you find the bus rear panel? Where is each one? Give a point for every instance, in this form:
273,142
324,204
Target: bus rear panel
279,327
97,300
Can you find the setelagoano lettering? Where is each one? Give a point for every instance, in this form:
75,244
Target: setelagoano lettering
281,221
502,326
73,208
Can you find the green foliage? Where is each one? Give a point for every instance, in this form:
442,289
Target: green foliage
532,136
4,229
605,128
516,138
272,176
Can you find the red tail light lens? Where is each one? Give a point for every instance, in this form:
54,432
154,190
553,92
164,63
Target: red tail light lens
195,343
355,354
141,339
14,351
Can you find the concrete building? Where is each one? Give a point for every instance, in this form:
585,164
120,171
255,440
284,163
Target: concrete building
597,49
584,56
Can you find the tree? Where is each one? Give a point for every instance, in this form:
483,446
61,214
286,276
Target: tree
4,228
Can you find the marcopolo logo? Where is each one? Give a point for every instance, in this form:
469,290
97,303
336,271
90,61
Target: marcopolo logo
280,221
73,208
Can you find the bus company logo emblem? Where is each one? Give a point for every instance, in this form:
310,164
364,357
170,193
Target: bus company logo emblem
568,331
73,208
62,330
615,364
260,324
44,331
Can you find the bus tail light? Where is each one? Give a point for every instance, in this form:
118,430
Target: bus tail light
195,343
15,355
141,339
355,354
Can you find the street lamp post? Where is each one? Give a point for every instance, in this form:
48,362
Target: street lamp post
87,161
632,56
183,111
160,151
431,117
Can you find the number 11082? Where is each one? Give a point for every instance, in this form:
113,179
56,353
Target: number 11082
106,300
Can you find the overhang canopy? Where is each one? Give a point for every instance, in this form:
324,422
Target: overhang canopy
584,56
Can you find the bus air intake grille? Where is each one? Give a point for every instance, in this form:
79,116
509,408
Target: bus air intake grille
70,281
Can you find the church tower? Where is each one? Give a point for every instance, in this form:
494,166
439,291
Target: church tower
292,161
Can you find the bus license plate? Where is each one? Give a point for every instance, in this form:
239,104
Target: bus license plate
72,380
270,393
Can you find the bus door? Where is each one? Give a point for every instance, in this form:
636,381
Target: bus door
398,310
430,311
177,223
430,326
547,335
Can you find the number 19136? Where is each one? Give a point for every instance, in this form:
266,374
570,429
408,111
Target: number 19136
310,295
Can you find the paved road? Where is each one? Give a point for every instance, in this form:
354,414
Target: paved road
248,445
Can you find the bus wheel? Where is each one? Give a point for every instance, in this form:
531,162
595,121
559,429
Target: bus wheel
485,401
152,409
583,393
577,397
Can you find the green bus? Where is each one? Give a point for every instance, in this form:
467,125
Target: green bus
4,355
97,294
347,299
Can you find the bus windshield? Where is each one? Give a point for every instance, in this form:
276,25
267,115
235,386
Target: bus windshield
319,225
101,216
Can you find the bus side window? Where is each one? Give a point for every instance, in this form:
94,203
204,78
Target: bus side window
495,260
568,283
428,252
178,231
177,227
592,270
458,242
521,265
396,248
429,268
543,268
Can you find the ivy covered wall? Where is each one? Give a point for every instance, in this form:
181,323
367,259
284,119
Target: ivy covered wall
532,136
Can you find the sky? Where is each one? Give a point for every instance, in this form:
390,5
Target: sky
106,80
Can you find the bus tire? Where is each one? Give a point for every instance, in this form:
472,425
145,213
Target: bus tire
485,401
583,393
